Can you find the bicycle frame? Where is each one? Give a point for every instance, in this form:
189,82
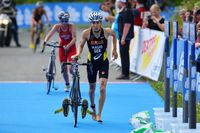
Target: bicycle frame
51,70
75,97
75,93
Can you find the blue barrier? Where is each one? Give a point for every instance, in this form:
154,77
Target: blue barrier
175,72
167,69
78,12
183,55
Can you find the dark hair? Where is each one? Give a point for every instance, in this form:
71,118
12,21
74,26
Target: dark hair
197,12
100,5
128,4
190,11
113,1
141,1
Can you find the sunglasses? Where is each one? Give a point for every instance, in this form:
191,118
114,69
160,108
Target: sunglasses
95,22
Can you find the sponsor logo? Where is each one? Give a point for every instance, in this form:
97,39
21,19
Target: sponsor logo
97,42
65,37
148,50
103,72
96,57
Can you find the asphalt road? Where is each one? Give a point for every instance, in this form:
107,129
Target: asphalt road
21,64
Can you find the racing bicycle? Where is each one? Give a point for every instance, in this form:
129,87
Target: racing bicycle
74,99
38,32
51,69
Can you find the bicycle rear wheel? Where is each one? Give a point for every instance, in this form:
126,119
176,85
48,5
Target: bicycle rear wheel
75,113
49,86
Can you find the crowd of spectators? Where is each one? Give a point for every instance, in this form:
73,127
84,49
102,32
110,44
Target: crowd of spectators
125,14
146,14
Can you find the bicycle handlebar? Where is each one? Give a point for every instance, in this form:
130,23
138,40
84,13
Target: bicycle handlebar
76,64
53,44
80,64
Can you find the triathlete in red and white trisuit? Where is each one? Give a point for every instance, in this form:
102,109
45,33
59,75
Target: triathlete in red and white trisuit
67,35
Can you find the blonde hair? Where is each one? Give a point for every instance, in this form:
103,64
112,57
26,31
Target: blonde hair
182,11
155,7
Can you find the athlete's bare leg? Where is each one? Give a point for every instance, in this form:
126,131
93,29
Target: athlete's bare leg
32,34
102,97
92,96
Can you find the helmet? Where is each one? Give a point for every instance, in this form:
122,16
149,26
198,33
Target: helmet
63,16
40,4
95,16
6,3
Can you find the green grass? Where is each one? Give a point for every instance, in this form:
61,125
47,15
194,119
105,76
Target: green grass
159,88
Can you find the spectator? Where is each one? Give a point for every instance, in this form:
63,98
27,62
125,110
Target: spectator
139,13
189,16
182,14
126,33
132,3
197,16
154,21
111,6
197,44
111,13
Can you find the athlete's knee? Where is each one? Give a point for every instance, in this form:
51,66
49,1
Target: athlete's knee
103,85
92,88
63,68
71,70
102,91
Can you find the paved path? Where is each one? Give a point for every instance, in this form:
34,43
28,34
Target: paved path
21,64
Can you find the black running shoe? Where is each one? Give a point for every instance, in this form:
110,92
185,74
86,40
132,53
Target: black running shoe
84,108
65,106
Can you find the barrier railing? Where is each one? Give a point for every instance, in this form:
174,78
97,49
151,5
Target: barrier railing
146,52
189,79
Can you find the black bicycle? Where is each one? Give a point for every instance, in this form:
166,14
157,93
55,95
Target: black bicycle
51,69
74,99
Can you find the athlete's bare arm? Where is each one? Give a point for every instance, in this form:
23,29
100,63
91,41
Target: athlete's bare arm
51,33
110,32
84,38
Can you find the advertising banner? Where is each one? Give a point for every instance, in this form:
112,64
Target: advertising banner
151,53
78,12
146,52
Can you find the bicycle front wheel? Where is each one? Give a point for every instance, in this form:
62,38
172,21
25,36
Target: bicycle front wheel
75,113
